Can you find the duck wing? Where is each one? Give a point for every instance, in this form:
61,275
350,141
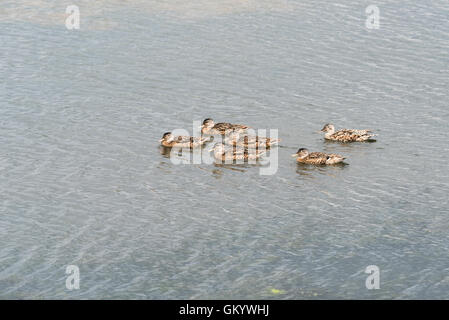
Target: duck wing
251,141
224,126
182,139
188,141
334,158
316,155
316,158
243,153
256,141
346,135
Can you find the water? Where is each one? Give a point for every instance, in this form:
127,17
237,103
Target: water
83,182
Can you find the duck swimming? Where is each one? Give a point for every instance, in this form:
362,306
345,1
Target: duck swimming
222,128
317,158
169,140
251,142
229,153
346,135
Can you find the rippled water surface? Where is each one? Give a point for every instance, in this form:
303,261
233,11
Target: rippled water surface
83,181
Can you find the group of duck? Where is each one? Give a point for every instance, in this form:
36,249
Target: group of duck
238,145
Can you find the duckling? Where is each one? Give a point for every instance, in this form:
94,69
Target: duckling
222,128
303,156
251,142
169,140
228,153
346,135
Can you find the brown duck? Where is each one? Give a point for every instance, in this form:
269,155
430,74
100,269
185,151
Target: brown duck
250,142
346,135
230,153
222,128
317,158
169,140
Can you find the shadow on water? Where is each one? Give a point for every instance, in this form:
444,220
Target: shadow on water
181,153
348,144
235,166
165,151
309,170
346,149
218,173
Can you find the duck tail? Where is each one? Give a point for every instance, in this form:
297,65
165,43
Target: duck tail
370,137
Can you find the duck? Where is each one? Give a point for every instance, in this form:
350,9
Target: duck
169,140
230,153
250,142
346,135
318,158
222,128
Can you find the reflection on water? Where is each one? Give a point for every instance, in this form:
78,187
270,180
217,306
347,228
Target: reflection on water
235,167
166,152
310,171
346,145
84,182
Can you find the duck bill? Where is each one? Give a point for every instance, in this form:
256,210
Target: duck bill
294,155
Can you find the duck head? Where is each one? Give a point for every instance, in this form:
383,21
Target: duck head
328,128
167,137
301,153
208,123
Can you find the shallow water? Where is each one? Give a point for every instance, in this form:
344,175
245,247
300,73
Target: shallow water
83,181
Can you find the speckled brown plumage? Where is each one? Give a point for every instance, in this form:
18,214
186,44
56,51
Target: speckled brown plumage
170,141
347,135
221,128
317,158
251,142
231,153
350,135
